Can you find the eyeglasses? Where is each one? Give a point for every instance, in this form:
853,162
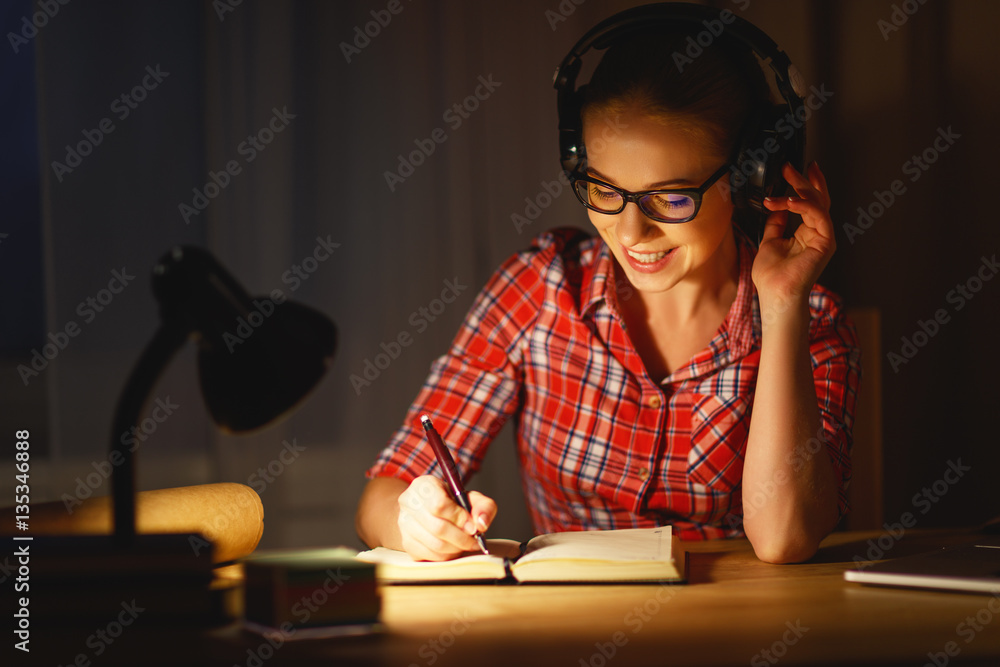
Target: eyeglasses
670,206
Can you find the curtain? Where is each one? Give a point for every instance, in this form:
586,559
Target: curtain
364,157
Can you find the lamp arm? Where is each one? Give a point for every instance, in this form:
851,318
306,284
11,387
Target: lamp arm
169,338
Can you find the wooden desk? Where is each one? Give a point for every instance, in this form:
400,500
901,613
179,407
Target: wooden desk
733,610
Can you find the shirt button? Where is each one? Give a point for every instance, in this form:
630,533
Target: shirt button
644,474
654,402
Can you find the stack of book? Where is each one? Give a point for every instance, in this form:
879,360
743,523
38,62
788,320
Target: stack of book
91,580
310,592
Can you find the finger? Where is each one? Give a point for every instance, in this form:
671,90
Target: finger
818,179
804,187
429,502
418,542
484,510
425,493
432,534
804,207
815,219
795,178
423,543
816,223
813,200
776,203
774,226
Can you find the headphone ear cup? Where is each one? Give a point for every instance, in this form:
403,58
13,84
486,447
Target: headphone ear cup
762,154
572,153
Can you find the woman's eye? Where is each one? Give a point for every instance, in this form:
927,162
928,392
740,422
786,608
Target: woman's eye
670,201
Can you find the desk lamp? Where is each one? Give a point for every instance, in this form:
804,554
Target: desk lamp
256,358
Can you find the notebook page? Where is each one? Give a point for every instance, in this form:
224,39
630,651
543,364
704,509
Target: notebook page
632,544
393,557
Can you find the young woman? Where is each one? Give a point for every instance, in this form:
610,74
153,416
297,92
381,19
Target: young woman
666,371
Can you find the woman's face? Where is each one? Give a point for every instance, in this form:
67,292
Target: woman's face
644,153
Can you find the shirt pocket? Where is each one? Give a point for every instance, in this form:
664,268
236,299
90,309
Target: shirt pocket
719,429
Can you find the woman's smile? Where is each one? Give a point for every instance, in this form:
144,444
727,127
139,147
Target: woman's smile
649,262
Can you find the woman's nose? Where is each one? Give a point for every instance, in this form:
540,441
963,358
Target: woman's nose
633,226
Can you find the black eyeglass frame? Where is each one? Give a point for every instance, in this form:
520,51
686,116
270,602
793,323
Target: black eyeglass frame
638,197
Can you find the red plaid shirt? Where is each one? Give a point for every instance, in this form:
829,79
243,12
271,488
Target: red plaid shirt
601,445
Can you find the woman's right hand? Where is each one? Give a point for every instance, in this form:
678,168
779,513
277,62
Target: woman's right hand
433,526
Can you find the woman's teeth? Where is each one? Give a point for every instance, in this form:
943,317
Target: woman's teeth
647,258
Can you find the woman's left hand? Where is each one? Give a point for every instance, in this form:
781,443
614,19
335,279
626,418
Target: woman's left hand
785,270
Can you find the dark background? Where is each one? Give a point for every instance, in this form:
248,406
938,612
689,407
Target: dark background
231,67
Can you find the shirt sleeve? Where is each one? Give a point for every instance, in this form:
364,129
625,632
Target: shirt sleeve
473,390
836,363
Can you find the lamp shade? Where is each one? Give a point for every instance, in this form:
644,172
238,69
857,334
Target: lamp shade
257,356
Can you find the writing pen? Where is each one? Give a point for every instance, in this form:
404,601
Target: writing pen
450,473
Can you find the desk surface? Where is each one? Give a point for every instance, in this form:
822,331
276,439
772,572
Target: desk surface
735,610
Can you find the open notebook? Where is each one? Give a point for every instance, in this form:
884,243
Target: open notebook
628,555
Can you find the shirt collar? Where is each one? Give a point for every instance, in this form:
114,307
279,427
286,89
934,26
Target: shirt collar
599,277
741,328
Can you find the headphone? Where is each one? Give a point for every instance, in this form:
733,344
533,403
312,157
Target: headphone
756,168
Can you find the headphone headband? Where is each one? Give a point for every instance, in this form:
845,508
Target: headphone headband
602,35
760,177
